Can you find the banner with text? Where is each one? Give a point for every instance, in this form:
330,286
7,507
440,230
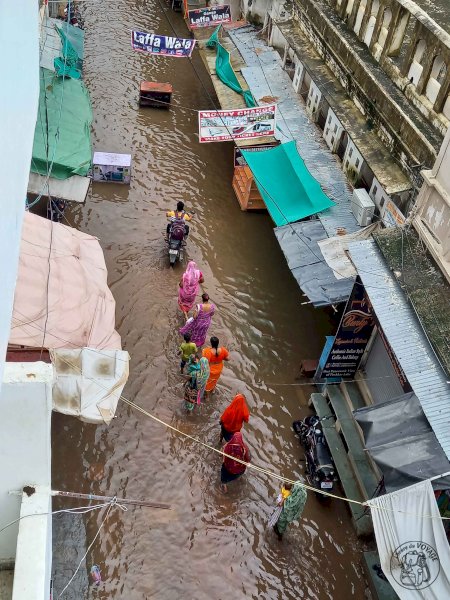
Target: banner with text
209,16
352,336
164,45
241,124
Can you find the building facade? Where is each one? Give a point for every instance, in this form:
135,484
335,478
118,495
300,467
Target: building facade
368,69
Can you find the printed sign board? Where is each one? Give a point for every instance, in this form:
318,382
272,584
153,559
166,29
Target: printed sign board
239,160
392,215
164,45
209,16
352,336
241,124
108,166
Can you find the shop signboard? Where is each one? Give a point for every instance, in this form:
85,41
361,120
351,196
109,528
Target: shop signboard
163,45
209,16
241,124
352,336
392,216
239,160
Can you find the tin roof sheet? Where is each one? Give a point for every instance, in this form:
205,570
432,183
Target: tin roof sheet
406,338
298,242
266,79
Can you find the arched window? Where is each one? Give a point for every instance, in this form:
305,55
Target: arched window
415,70
348,10
437,77
446,109
360,16
372,21
387,18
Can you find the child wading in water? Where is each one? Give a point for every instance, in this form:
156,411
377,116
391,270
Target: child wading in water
186,349
285,492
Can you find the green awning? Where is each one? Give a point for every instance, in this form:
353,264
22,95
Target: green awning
224,70
62,133
288,189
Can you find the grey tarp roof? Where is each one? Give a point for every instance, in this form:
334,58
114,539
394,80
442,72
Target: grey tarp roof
402,443
406,338
298,242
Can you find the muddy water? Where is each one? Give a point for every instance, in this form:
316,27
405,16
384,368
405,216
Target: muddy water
210,546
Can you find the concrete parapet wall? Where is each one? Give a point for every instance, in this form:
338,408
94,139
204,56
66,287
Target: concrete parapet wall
411,138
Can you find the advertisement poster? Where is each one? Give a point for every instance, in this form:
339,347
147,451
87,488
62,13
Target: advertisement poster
164,45
210,16
241,124
352,336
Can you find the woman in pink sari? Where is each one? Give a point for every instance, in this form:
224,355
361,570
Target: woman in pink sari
188,287
199,323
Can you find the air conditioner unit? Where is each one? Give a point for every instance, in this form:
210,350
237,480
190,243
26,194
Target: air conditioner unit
363,207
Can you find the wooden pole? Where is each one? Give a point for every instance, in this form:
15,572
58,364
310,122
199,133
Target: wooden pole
129,501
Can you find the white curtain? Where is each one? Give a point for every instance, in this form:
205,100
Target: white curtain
413,548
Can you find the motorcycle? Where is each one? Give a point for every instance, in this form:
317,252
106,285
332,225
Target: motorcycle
176,248
176,239
320,469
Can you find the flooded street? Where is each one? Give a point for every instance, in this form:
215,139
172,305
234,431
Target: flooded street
210,546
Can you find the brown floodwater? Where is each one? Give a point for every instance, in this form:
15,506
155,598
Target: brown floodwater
209,546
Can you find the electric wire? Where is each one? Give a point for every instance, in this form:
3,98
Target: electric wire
262,470
293,230
259,385
108,510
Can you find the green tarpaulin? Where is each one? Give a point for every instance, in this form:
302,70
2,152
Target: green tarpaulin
224,70
288,189
72,51
62,133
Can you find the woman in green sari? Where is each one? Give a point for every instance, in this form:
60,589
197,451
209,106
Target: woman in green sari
292,509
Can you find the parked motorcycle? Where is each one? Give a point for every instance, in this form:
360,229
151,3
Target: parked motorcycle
320,469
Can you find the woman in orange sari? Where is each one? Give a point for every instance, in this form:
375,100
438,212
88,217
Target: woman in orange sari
233,417
215,356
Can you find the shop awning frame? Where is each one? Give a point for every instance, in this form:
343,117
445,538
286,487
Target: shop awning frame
406,338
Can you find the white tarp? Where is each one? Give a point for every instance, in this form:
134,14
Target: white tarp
413,548
89,382
335,251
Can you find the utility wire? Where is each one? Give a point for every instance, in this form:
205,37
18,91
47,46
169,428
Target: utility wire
261,383
249,465
260,184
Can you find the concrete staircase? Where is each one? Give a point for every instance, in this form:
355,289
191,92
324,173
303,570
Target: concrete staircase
343,436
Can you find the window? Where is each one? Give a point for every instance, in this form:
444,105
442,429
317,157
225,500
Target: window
332,140
372,21
437,78
335,128
357,163
415,70
350,152
374,191
360,16
381,202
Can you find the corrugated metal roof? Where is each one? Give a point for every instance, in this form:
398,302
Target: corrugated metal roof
298,242
406,338
265,76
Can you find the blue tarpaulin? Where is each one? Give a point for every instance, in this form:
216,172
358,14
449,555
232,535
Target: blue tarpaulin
288,189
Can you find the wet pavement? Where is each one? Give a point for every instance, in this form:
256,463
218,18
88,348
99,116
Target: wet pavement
210,545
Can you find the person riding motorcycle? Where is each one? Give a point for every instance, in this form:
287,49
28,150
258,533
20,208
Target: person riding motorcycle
177,219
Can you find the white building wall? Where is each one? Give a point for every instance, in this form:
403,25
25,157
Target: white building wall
432,211
19,68
332,131
25,449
